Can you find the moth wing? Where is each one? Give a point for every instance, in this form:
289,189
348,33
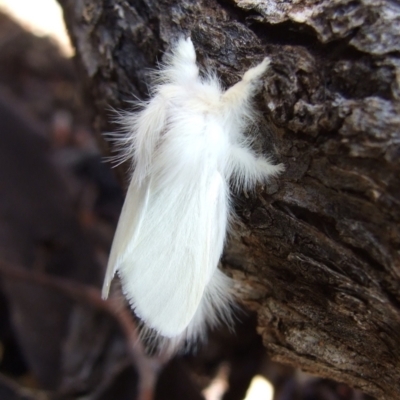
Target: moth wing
165,274
128,229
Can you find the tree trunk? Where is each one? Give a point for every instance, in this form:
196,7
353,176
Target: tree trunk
316,252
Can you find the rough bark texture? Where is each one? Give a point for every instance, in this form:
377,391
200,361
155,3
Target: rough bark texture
316,253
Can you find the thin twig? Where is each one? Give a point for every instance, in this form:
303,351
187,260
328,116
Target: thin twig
147,367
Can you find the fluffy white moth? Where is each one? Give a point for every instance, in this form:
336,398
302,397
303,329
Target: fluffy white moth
187,144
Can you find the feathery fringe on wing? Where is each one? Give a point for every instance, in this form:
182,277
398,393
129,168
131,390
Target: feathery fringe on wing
216,308
123,139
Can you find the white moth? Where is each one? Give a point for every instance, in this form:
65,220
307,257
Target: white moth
187,144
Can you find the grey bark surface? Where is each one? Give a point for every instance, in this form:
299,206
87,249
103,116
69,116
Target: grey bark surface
317,252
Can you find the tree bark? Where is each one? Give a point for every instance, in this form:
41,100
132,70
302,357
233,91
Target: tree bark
317,252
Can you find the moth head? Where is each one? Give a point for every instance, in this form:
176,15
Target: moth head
184,51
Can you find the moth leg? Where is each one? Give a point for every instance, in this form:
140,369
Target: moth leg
248,168
240,93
